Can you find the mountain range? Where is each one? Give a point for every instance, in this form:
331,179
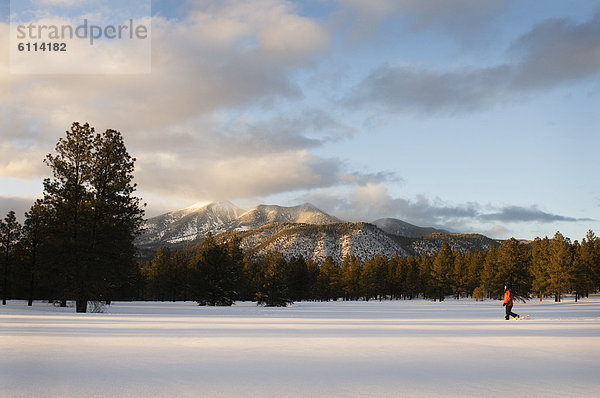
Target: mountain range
299,230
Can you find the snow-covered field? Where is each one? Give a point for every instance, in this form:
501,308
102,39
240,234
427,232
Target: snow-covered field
337,349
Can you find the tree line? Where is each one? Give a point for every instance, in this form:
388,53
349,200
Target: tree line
40,263
218,274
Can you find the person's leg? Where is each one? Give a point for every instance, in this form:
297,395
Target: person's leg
507,317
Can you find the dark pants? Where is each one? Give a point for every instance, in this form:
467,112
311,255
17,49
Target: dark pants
509,312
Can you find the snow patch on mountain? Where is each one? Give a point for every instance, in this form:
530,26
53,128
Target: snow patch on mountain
190,223
320,241
269,214
196,221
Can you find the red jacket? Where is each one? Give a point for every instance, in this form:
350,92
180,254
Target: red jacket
508,297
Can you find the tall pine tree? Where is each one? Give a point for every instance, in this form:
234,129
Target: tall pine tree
216,276
95,216
561,265
443,265
274,291
34,230
10,235
514,263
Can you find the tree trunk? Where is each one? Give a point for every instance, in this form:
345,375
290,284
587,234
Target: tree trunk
5,290
31,289
81,305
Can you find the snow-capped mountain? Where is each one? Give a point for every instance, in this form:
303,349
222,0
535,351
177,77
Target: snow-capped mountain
299,230
269,214
196,221
189,224
401,228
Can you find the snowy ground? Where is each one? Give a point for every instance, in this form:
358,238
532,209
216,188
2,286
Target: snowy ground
337,349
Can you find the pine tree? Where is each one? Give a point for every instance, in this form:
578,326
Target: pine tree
491,283
313,275
514,263
561,265
274,291
68,198
443,264
95,216
216,276
350,277
475,263
116,213
395,277
425,276
184,274
373,277
460,274
10,235
540,266
298,279
160,275
252,279
34,229
587,263
328,280
411,284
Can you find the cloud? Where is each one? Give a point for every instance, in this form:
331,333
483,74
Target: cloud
220,55
410,89
237,177
187,122
19,205
464,20
310,128
242,156
497,230
54,3
17,161
528,214
372,201
557,51
549,55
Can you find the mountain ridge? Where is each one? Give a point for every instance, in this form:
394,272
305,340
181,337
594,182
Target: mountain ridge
197,220
298,230
402,228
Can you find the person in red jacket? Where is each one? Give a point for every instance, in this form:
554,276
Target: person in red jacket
508,302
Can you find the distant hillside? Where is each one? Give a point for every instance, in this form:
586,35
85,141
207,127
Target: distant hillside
338,240
319,241
461,242
401,228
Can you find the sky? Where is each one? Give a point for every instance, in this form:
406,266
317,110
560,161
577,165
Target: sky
471,115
